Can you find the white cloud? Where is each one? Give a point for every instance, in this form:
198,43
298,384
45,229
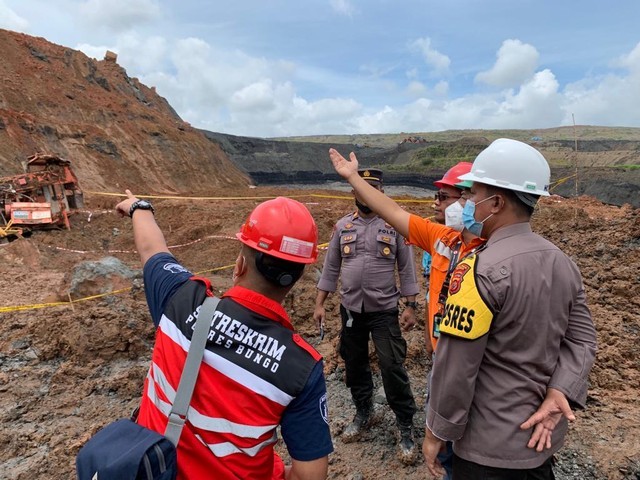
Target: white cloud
120,15
441,88
336,80
94,51
291,113
610,100
146,54
416,89
256,98
10,20
230,91
342,7
516,63
537,102
630,61
437,61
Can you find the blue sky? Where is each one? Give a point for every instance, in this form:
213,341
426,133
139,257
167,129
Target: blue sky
312,67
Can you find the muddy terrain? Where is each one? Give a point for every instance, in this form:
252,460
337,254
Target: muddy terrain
66,369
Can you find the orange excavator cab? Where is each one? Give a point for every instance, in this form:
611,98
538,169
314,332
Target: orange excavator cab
42,197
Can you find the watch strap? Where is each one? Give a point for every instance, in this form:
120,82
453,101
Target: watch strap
142,205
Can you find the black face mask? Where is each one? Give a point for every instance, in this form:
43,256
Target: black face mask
363,208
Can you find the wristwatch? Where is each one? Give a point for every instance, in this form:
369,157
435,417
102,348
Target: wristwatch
413,305
142,205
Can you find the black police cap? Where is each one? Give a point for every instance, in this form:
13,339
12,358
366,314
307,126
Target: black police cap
372,175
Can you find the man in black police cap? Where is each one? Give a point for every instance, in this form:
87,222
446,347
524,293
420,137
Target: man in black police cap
364,251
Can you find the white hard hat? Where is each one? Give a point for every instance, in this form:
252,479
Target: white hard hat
512,165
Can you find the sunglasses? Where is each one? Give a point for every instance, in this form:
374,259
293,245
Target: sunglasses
441,196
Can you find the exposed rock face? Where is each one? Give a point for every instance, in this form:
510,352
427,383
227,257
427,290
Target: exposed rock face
285,163
117,132
276,162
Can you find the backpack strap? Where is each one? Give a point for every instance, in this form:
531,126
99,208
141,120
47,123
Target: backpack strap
178,414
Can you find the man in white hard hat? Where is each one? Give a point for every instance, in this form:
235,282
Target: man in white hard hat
516,327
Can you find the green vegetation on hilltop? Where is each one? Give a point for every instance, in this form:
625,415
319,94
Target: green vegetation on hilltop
385,140
439,156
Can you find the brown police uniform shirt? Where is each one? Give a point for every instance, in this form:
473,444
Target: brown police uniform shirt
364,252
541,335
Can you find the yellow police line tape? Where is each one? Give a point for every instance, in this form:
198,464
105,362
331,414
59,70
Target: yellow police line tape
170,247
16,308
314,195
561,181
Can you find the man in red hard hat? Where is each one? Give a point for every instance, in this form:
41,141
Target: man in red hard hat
450,189
256,374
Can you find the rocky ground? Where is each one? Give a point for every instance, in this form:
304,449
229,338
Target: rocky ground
68,369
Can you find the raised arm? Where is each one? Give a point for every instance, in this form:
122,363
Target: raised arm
377,201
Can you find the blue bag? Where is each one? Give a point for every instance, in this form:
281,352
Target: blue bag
124,450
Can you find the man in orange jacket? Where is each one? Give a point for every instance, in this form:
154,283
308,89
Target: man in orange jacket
446,241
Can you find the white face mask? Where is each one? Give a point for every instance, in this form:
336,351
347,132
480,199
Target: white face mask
453,216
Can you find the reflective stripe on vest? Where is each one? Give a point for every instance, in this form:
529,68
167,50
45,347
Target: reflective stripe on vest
466,313
442,249
228,368
227,448
203,422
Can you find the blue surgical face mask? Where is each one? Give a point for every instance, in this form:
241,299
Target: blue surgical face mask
469,219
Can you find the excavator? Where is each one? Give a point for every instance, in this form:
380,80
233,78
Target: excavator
41,198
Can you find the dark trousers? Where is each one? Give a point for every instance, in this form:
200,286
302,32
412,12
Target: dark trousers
466,470
391,350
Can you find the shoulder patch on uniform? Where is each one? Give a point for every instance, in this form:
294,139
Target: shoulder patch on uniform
174,268
466,315
457,277
324,408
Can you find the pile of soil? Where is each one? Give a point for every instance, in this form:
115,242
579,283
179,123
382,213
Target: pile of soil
67,370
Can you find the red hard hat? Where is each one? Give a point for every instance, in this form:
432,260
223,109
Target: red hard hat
282,228
451,178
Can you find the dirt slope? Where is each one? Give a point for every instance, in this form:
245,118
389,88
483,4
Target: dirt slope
116,131
66,371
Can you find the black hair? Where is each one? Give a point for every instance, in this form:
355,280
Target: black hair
282,273
522,208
